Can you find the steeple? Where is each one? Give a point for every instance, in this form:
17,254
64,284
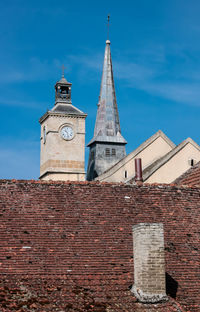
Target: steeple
107,133
107,126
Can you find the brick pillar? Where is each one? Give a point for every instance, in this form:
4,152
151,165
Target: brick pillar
149,262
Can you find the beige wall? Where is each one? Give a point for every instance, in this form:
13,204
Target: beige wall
159,147
58,155
175,166
64,177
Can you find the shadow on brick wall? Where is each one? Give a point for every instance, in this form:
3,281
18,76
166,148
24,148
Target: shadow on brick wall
171,286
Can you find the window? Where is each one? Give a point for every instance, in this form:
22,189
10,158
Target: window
107,152
126,174
113,152
191,162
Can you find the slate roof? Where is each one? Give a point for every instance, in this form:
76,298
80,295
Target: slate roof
66,109
68,246
63,81
107,126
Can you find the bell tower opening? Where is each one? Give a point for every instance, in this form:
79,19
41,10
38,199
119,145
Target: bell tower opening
63,91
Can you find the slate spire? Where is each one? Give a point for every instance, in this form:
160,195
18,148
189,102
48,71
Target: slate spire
107,126
107,121
107,145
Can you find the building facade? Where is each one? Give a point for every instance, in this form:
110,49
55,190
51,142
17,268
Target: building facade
62,155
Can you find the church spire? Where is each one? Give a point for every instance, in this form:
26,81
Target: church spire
107,146
107,126
107,121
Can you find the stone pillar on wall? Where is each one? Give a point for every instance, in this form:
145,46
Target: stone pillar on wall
149,262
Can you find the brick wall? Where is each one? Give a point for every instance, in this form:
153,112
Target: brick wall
149,262
69,246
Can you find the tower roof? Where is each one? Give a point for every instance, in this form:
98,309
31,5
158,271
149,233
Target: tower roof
107,127
63,81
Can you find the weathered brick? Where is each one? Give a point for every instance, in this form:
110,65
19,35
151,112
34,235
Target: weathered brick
80,248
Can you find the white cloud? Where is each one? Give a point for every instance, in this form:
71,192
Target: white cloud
34,70
170,72
92,61
133,72
22,103
188,93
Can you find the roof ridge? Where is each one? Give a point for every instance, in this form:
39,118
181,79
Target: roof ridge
140,148
162,160
100,184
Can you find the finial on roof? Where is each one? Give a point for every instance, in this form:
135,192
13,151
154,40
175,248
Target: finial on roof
63,71
108,41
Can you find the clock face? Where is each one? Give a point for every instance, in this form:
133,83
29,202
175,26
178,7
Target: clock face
67,133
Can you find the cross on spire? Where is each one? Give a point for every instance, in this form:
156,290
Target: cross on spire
107,146
108,26
63,71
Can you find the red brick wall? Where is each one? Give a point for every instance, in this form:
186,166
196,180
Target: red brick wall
80,243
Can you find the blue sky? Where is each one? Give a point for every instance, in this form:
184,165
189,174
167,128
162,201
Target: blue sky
155,46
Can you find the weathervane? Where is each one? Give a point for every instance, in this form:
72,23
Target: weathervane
108,26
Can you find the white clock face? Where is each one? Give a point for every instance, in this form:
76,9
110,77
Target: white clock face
67,133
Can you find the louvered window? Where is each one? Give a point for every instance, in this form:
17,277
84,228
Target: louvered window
113,152
107,152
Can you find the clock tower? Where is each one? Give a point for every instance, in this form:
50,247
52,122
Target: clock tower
62,153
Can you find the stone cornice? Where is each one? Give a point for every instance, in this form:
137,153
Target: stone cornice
51,170
54,114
